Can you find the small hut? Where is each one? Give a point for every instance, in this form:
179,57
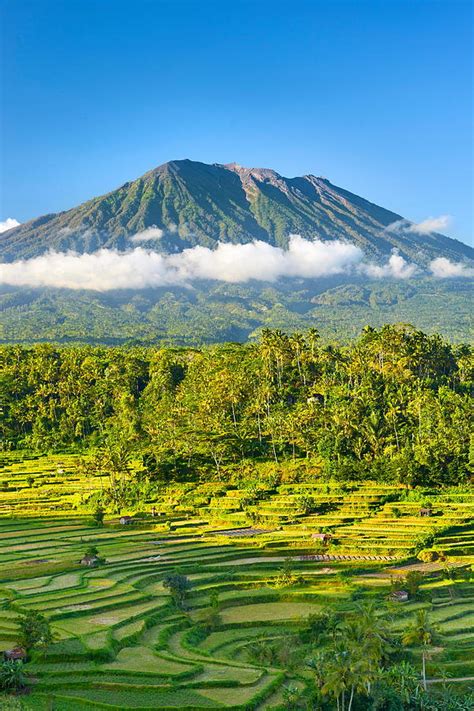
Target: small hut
321,537
126,520
90,560
399,596
425,512
17,654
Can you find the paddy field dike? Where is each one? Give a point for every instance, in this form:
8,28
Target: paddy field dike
256,574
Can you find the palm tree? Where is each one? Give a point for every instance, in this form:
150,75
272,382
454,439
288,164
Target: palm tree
345,674
366,635
420,633
312,337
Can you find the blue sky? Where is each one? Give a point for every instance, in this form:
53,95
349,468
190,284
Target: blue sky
376,96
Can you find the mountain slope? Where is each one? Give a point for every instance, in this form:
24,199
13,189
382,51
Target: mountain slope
216,312
198,204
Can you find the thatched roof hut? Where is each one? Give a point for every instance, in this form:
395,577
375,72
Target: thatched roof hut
90,560
17,654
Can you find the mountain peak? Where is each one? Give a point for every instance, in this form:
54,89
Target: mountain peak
258,173
189,203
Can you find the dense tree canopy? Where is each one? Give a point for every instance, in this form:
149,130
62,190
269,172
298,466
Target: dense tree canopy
393,405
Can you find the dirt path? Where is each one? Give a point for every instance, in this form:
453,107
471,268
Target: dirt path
423,567
329,556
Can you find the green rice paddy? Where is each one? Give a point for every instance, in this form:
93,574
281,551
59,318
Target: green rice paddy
120,643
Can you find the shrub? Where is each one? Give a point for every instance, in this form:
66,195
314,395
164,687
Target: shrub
92,551
428,555
98,516
286,575
413,581
12,676
423,541
306,504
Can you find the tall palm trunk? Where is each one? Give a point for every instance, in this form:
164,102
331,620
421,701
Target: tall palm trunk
351,698
423,658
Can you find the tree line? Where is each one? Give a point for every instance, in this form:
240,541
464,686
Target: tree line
393,405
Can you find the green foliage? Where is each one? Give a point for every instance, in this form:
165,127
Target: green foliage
92,551
412,581
98,516
179,586
357,645
12,676
393,406
35,630
423,542
428,555
286,575
210,617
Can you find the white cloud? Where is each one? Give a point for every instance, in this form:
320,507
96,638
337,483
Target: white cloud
151,233
101,271
259,260
8,224
140,268
397,226
431,224
444,269
396,268
426,227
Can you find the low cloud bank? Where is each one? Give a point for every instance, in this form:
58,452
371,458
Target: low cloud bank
140,268
8,224
445,269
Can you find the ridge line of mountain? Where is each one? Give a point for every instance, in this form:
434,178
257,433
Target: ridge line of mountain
189,203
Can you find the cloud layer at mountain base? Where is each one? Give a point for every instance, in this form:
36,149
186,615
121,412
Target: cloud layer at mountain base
445,269
140,268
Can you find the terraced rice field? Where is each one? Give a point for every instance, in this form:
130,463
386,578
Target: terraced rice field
120,643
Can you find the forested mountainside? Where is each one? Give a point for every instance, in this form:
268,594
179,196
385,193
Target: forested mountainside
217,312
191,203
392,406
